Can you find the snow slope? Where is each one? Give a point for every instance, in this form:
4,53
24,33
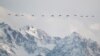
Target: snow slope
30,41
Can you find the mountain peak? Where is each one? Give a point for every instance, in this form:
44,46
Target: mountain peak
75,34
2,24
38,42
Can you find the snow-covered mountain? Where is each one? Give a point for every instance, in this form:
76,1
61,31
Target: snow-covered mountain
30,41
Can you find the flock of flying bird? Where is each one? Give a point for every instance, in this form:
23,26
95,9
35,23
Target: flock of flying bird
54,15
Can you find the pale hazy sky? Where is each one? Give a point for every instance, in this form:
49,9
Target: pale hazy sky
55,26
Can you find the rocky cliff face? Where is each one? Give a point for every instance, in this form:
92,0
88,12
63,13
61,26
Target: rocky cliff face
30,41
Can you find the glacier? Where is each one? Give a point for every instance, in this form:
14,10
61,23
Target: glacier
30,41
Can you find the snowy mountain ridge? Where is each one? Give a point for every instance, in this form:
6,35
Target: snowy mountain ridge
30,41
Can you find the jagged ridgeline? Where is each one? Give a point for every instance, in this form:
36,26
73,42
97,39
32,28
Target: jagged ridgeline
35,42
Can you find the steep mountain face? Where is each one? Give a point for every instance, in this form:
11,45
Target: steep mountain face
75,46
30,41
